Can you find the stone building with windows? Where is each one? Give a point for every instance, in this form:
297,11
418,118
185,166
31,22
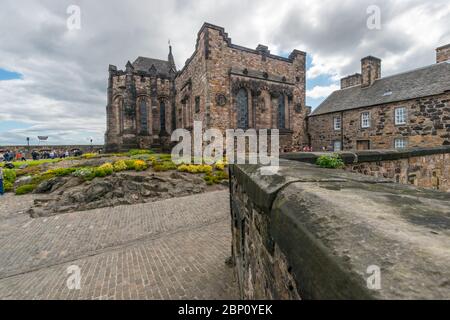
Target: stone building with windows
411,109
224,85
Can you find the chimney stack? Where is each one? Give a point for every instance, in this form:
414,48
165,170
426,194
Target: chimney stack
351,81
370,70
443,54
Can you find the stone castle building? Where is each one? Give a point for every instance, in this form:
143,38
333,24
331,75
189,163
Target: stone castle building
411,109
224,85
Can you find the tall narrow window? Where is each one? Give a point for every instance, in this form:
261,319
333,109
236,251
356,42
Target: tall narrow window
400,116
365,120
162,116
143,116
337,123
281,112
242,109
197,104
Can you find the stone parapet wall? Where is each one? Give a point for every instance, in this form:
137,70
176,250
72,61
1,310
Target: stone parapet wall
58,148
421,167
311,233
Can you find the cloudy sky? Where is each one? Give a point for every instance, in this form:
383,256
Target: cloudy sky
53,80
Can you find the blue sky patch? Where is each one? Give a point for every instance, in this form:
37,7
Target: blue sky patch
9,75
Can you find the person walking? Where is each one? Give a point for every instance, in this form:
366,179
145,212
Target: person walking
1,182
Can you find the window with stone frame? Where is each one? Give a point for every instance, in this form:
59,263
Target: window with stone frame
242,108
337,146
197,104
281,112
365,120
400,143
337,123
143,113
400,116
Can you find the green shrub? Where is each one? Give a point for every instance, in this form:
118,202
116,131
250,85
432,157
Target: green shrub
61,172
193,168
85,173
27,188
135,152
164,166
108,168
330,161
120,166
215,177
9,175
138,165
89,155
99,172
8,186
31,163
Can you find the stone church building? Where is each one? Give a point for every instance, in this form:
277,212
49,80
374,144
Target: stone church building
224,85
411,109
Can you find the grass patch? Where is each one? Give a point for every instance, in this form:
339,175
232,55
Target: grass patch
25,189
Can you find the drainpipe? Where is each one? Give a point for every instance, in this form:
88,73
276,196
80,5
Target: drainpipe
342,131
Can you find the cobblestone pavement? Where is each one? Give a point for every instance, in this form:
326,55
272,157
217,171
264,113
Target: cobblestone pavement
172,249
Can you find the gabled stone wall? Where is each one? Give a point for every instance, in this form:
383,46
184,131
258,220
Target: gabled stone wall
218,69
427,125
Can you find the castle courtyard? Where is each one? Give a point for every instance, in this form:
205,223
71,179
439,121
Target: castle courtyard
170,249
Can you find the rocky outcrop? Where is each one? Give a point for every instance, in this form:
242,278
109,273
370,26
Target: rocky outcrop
118,189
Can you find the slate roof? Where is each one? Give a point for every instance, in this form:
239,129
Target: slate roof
144,64
427,81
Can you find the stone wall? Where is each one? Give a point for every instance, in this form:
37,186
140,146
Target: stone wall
421,167
58,148
428,125
218,69
311,233
443,53
127,91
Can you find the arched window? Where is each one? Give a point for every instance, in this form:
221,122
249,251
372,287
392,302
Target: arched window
281,112
162,116
143,115
242,109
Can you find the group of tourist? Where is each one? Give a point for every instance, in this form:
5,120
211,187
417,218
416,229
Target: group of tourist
10,156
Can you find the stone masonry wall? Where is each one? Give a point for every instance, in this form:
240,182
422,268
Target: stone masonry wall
430,171
314,233
428,125
217,69
443,53
191,83
420,167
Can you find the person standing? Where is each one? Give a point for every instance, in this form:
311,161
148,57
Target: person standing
1,181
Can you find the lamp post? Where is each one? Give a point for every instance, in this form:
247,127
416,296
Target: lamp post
28,145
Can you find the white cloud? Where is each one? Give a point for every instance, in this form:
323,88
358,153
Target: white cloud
319,92
63,90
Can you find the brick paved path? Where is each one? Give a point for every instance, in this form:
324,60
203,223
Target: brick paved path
172,249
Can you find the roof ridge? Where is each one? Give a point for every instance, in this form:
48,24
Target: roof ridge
412,70
151,59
